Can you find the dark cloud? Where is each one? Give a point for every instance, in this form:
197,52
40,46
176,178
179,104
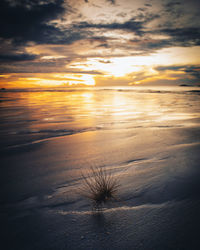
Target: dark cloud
131,25
45,67
111,1
40,65
142,9
148,5
148,45
99,39
172,4
122,14
24,21
17,57
174,10
180,14
29,4
29,20
184,36
104,45
193,70
172,67
23,24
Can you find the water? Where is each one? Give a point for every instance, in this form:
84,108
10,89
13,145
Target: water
29,116
148,136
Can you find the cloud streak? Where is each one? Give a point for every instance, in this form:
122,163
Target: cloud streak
53,35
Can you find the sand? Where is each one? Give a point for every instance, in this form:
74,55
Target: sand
156,160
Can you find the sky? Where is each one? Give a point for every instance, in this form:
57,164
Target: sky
61,43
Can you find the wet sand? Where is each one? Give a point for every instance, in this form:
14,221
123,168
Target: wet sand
157,164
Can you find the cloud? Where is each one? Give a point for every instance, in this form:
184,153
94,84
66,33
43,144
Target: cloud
148,45
190,70
171,67
172,37
131,25
43,66
135,25
32,20
17,58
172,4
23,24
111,1
36,21
182,36
105,61
148,5
51,35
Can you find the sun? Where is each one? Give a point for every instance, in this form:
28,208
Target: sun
88,80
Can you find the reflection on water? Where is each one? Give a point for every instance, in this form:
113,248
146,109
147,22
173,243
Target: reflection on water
27,116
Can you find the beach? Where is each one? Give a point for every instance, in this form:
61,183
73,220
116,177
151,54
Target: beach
148,137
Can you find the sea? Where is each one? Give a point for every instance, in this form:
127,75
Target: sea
30,116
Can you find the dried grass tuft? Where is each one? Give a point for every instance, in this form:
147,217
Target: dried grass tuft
100,186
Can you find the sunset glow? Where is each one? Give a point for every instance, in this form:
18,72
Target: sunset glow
99,42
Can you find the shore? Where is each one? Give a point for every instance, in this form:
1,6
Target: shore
149,140
158,198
